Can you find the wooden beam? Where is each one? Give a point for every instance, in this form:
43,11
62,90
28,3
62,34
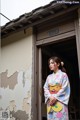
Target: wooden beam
40,85
55,38
20,25
13,28
5,32
65,6
34,87
52,12
29,21
40,16
77,30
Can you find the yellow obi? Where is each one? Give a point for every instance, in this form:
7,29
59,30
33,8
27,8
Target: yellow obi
56,107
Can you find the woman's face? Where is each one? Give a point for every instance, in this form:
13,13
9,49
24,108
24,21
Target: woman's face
53,65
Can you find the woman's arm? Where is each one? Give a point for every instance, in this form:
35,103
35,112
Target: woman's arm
64,93
46,91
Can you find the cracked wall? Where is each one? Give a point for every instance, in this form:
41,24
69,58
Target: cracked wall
16,76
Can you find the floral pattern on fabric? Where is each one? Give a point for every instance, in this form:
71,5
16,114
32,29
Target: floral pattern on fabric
57,85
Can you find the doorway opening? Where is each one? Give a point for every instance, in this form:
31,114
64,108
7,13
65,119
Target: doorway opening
67,51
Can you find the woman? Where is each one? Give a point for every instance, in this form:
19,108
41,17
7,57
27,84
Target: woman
57,91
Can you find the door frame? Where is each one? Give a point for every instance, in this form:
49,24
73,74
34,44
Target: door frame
38,74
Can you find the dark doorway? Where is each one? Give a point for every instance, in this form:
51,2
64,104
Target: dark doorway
67,51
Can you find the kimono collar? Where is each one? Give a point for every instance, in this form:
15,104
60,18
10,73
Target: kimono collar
57,72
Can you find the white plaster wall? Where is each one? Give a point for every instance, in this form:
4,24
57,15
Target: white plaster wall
16,57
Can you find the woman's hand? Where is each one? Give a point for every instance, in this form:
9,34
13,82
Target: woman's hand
52,100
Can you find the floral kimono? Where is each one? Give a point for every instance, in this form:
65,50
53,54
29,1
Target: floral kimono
57,85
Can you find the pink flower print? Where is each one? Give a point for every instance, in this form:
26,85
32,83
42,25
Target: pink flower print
65,109
57,76
59,115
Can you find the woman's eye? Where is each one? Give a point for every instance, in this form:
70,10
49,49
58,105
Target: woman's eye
52,62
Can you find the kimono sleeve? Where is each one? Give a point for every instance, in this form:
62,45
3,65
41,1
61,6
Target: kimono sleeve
46,90
64,93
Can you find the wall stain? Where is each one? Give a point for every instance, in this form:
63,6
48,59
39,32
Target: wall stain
18,110
8,81
26,105
12,105
19,115
0,96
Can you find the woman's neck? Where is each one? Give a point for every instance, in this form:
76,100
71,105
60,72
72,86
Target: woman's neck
55,71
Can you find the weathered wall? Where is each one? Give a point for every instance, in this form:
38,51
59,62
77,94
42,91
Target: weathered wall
16,76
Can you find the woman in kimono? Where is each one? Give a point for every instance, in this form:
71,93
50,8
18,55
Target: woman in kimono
57,91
